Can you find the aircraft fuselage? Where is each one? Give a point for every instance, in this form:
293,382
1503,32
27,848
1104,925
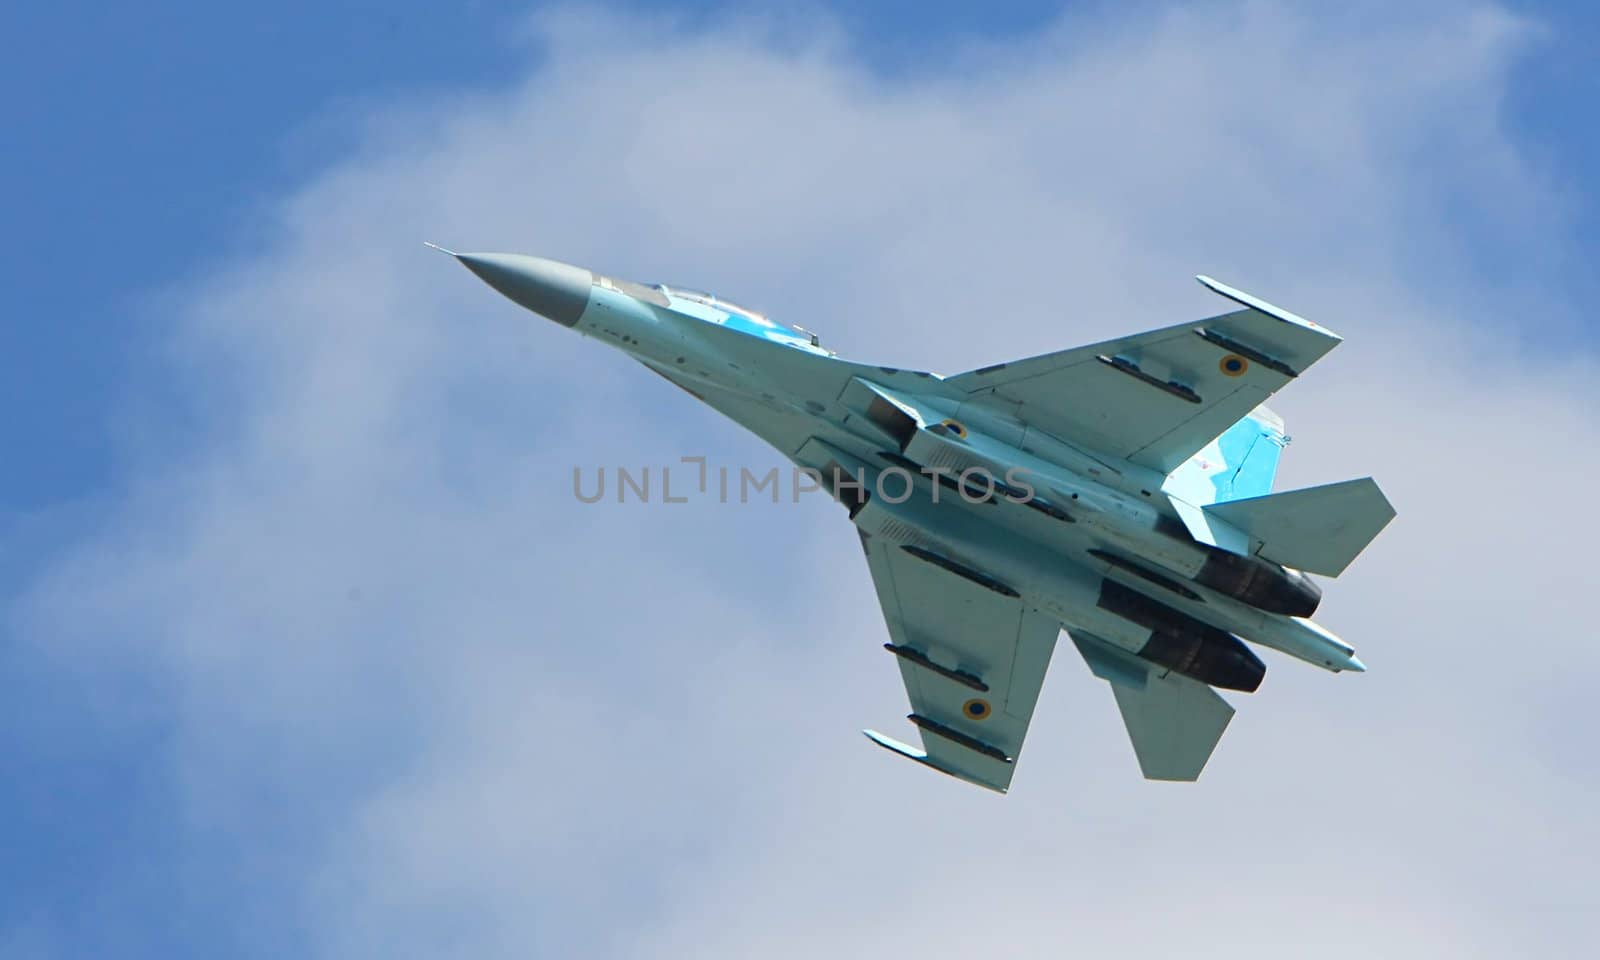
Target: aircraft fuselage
1078,534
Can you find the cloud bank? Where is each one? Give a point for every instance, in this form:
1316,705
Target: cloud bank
399,694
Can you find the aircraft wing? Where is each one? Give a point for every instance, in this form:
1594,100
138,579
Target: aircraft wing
1157,398
1173,721
972,656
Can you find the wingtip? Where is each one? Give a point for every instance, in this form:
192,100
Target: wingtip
890,743
430,243
1262,306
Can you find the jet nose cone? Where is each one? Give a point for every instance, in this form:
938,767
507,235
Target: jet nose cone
549,288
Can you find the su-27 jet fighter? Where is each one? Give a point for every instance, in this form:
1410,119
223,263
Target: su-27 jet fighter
1121,491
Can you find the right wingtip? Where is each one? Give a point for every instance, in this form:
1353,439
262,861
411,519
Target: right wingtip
1262,306
890,743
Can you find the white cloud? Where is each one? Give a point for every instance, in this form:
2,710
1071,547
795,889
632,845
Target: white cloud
446,708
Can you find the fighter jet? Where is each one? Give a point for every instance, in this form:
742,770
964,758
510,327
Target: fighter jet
1120,491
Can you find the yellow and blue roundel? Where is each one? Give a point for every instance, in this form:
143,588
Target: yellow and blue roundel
976,709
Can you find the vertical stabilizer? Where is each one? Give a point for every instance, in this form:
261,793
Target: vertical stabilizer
1241,463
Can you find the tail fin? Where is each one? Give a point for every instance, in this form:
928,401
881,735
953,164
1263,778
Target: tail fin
1241,463
1318,529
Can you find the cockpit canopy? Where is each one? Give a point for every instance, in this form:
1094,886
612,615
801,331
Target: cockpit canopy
754,322
710,300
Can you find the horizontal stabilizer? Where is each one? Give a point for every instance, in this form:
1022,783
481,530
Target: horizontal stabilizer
1173,721
1318,529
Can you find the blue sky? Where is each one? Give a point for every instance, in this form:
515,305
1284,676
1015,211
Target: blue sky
149,135
189,765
